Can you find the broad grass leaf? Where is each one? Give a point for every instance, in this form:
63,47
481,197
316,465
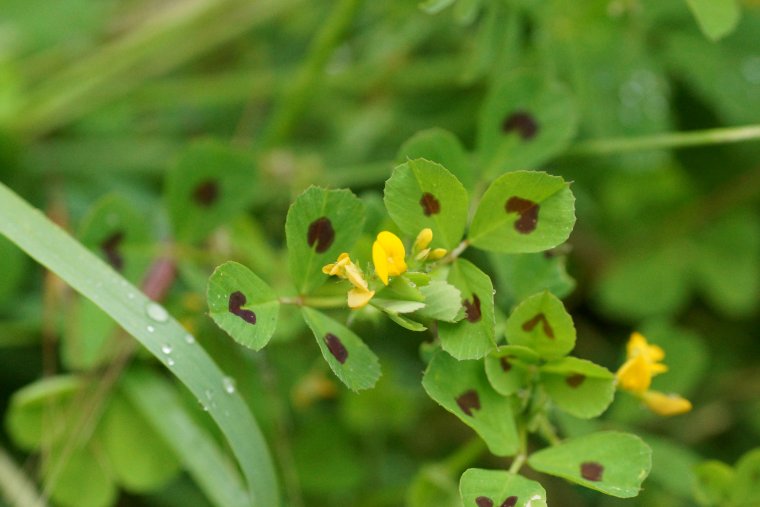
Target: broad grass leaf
541,323
349,358
475,335
321,224
579,387
243,305
209,186
611,462
421,194
523,212
478,486
461,387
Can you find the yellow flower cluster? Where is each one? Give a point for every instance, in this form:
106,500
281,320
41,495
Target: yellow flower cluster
642,363
389,258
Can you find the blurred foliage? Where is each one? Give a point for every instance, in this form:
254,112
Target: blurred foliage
102,105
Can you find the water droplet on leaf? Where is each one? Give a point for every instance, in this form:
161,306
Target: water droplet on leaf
157,312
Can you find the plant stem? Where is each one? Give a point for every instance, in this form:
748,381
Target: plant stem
315,302
595,147
465,455
455,253
294,99
522,454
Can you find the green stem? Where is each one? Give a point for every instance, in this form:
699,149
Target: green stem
315,302
292,102
595,147
522,454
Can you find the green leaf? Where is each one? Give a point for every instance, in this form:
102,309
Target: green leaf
396,305
442,147
519,276
502,488
82,480
746,489
243,305
209,186
475,335
542,323
462,388
579,387
140,459
443,301
525,121
349,358
411,325
162,335
321,224
42,408
715,483
508,368
421,194
523,212
157,401
611,462
716,18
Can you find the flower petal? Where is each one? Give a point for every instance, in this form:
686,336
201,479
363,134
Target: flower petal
359,297
666,404
635,375
380,260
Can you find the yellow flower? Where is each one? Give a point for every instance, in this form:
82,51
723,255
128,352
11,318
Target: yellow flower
666,404
388,256
344,268
423,240
437,253
635,375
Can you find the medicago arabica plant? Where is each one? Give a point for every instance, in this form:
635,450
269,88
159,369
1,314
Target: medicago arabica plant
504,376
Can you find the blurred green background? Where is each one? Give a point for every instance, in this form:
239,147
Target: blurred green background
102,97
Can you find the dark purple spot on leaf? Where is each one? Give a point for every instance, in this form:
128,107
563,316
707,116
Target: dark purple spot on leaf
430,205
321,233
469,401
575,380
521,122
511,501
206,193
483,501
540,318
472,309
505,364
336,348
237,300
592,471
527,211
110,247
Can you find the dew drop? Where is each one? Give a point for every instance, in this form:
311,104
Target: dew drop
150,329
166,348
157,312
130,295
229,385
189,339
169,361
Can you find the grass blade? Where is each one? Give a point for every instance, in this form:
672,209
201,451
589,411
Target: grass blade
152,327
